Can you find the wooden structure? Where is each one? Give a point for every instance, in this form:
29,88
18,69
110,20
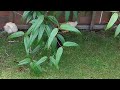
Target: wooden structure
95,19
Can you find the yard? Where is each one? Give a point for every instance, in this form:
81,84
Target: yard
97,56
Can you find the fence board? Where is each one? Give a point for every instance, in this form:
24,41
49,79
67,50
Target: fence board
84,18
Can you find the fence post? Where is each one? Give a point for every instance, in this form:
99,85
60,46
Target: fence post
92,20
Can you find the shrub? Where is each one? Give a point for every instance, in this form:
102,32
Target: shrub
44,34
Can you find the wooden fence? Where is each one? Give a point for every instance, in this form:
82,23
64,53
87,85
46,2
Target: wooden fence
87,19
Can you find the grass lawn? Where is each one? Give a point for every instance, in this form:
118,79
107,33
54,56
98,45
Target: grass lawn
98,56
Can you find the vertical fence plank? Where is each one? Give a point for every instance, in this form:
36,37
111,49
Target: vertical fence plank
92,20
11,16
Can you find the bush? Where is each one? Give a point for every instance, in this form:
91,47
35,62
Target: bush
44,34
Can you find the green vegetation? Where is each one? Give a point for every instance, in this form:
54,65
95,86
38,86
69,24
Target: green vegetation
115,16
44,35
97,56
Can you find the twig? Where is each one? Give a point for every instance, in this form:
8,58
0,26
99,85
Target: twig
6,53
17,13
59,44
13,41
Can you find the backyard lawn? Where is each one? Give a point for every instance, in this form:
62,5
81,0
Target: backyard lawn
96,57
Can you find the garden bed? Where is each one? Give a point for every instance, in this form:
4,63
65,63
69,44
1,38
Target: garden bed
98,56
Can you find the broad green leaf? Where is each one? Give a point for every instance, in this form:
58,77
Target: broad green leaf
59,54
34,14
35,25
53,19
75,14
25,14
35,68
51,26
33,21
61,38
36,49
69,28
39,21
16,34
30,29
32,38
68,44
41,31
43,59
52,36
53,60
24,62
48,30
67,15
26,42
112,20
28,18
57,66
117,30
38,13
54,44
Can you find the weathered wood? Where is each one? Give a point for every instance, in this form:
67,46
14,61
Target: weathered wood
23,26
92,20
83,26
87,27
11,16
78,26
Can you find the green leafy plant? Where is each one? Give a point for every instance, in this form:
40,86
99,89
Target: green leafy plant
56,59
113,19
43,35
67,15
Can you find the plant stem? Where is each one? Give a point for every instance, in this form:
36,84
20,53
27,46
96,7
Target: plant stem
59,44
46,13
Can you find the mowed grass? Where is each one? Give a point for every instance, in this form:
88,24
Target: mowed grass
97,57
